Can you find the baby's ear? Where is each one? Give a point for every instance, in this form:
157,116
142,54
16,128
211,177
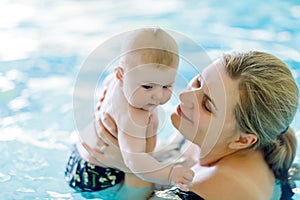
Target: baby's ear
119,73
244,141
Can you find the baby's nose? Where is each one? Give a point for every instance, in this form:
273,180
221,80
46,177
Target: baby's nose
157,93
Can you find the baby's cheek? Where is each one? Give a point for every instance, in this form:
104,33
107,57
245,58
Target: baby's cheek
165,100
169,95
138,96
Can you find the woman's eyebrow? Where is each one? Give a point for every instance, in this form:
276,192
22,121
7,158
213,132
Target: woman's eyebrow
206,95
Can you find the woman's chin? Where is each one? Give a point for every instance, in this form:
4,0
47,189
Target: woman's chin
175,118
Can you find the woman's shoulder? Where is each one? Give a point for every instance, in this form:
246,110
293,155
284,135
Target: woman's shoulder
220,182
214,183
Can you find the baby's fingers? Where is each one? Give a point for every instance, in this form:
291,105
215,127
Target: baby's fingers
182,187
189,175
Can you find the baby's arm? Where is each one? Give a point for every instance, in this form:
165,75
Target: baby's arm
133,149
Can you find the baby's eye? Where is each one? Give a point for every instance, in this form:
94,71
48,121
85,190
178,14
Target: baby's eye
167,86
147,87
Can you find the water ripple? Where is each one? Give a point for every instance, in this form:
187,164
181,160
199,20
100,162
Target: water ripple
4,177
59,195
25,190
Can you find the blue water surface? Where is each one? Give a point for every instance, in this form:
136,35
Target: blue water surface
43,45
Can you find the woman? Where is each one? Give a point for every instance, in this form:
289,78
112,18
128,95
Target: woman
238,112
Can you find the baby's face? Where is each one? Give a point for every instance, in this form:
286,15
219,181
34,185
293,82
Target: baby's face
146,86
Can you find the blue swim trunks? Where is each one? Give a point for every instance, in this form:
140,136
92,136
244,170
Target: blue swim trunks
86,177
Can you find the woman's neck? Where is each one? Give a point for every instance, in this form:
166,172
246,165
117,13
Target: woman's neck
213,159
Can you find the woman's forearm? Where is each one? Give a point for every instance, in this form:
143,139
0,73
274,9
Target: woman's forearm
134,181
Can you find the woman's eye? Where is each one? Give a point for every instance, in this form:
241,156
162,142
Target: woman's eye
147,87
206,105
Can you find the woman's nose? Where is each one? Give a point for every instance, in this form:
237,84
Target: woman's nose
189,98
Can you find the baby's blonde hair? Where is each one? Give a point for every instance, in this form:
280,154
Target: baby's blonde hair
268,100
149,45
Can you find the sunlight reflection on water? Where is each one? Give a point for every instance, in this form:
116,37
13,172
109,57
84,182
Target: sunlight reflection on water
44,44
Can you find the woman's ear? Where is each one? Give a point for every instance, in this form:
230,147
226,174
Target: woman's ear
119,71
245,140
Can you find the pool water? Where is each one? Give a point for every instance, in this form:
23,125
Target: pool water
43,45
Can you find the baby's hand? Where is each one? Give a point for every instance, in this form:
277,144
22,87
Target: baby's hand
101,99
181,177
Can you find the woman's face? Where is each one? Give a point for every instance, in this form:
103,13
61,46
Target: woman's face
205,115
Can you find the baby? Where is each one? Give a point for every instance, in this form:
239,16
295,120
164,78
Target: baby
142,81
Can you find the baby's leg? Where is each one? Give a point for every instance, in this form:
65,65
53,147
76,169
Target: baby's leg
87,156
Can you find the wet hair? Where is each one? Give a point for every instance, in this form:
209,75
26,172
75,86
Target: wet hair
150,45
268,100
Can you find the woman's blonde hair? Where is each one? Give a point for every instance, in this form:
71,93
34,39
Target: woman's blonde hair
268,100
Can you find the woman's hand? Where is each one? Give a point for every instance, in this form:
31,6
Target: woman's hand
102,147
101,144
106,149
